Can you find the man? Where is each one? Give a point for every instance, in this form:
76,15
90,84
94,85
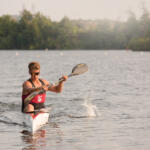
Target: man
34,84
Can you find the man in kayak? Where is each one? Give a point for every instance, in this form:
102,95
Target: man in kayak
34,83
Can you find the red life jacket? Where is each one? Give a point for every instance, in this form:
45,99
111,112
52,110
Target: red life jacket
37,101
40,98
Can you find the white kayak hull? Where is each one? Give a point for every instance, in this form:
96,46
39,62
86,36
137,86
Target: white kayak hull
35,123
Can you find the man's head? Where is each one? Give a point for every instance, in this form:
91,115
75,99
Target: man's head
34,67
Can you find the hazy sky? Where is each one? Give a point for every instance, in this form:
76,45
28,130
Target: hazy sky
75,9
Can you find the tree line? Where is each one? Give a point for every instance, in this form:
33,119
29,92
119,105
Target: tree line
36,31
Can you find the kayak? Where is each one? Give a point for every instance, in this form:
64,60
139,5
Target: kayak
36,121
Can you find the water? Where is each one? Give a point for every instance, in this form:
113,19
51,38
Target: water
107,108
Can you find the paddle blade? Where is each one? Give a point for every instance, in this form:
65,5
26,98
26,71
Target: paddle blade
79,69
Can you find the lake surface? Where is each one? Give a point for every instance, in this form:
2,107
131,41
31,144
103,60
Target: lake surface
107,108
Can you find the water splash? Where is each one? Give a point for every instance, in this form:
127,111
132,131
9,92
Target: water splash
92,110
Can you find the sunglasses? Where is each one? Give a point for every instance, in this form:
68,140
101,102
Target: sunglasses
36,73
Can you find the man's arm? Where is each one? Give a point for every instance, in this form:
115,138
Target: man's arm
51,87
56,88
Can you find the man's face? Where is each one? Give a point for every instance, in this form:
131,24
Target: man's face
35,73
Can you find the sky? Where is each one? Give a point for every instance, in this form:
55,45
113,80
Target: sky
76,9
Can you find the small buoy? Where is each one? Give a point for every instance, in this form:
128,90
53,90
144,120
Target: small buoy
61,53
17,54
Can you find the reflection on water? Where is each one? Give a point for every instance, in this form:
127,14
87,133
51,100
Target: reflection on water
34,141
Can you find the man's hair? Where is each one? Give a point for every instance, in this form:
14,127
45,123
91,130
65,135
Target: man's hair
33,66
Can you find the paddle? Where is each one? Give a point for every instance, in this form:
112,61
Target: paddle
77,70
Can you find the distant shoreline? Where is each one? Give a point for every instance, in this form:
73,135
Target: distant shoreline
37,32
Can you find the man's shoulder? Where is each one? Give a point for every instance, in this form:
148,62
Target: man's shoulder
26,83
